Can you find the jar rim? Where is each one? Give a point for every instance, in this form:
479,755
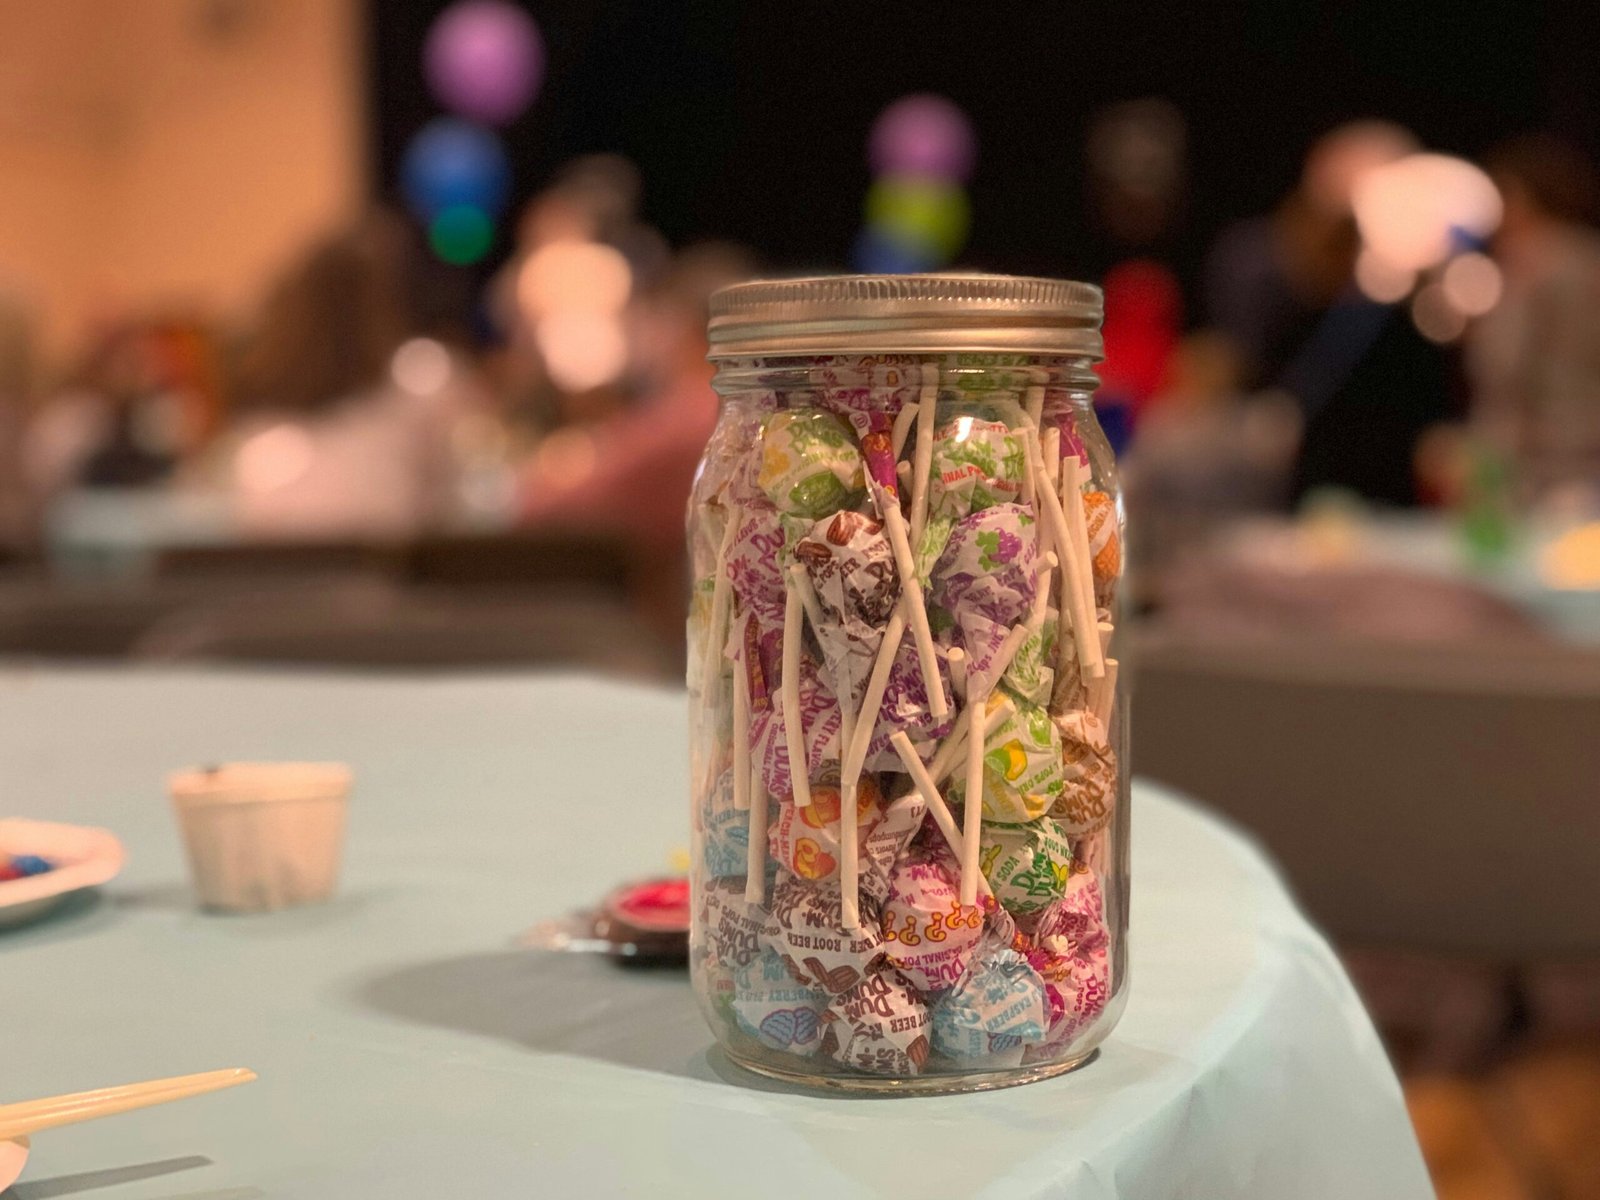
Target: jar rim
930,314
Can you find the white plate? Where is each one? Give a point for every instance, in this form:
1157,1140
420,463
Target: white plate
85,857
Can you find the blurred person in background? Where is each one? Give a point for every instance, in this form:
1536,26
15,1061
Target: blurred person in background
1534,358
16,381
347,416
630,474
1281,288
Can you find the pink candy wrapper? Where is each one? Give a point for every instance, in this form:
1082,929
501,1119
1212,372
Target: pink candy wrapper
1089,769
983,584
777,1010
929,935
880,1026
805,927
1072,953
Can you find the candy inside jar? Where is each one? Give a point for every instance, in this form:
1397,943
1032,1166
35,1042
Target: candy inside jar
909,761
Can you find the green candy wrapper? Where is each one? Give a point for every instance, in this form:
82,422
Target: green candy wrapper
810,464
976,464
1021,767
1027,866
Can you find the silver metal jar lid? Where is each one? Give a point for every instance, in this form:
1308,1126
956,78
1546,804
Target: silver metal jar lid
830,314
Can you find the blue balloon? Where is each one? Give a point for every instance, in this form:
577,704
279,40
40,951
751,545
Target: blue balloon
880,253
452,162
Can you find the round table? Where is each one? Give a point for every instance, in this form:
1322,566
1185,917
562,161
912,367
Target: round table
408,1048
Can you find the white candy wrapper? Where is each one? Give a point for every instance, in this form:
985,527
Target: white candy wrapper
810,464
820,721
1022,770
805,841
983,584
929,934
805,927
879,1026
976,464
734,927
1027,866
852,571
1088,797
994,1013
776,1009
886,841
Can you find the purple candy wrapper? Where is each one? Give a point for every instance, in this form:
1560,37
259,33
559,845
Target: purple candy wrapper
983,584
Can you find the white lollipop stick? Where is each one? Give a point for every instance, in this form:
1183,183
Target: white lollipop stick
957,658
711,666
794,730
867,716
1034,406
755,865
808,595
1051,445
911,600
936,805
944,759
1106,693
849,839
1082,620
972,829
1045,567
741,738
1073,474
1020,632
924,457
902,427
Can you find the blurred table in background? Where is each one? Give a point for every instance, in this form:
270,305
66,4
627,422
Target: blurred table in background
407,1048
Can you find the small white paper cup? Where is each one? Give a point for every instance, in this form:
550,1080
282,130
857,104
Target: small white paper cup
262,836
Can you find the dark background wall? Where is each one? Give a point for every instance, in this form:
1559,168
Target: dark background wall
748,120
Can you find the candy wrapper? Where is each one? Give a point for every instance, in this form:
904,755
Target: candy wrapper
905,707
820,722
1072,954
886,841
777,1010
805,841
879,1026
755,564
1089,773
1030,676
983,583
994,1013
1022,770
930,935
810,465
851,568
726,831
733,926
1105,547
805,927
976,464
1027,866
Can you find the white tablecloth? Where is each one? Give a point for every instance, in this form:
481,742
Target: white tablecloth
408,1049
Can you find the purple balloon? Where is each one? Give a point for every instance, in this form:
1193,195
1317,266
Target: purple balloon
484,59
923,135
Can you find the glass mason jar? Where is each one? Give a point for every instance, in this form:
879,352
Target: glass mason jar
906,539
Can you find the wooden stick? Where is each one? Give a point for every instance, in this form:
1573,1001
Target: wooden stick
972,828
1020,632
957,658
944,759
924,456
902,427
794,730
1029,471
741,737
1084,635
808,594
1034,406
911,600
755,863
711,669
936,805
32,1116
1105,694
1073,474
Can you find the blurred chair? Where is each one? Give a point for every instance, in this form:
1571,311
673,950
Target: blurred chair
1436,807
583,630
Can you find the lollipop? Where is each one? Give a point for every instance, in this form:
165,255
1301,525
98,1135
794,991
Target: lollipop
805,841
851,568
726,831
984,584
1028,866
1089,774
1071,952
880,1025
1022,770
929,934
1105,547
733,926
976,464
771,1006
886,841
810,465
754,564
805,927
819,727
993,1013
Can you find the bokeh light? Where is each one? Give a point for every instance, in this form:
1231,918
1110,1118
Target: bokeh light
877,253
919,212
273,459
420,366
452,162
1472,283
461,235
1381,281
1435,317
582,349
565,277
1414,213
484,59
924,135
